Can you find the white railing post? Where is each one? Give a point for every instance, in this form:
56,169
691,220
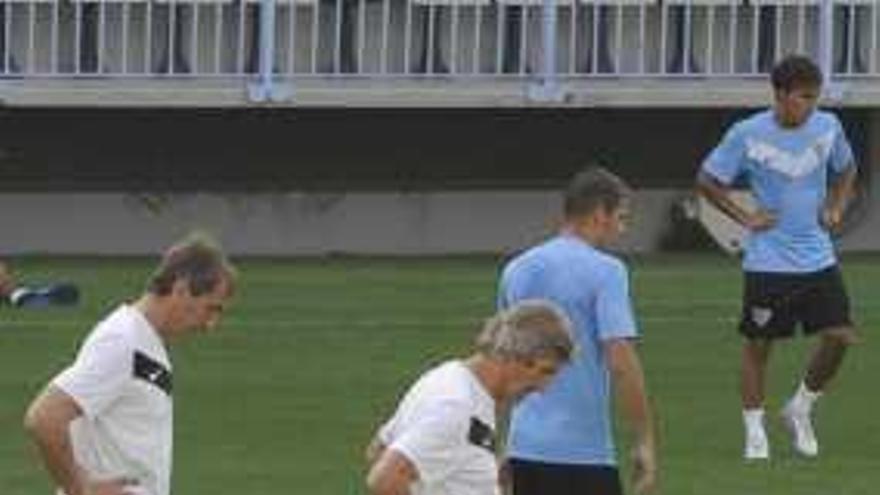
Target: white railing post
547,88
265,89
832,90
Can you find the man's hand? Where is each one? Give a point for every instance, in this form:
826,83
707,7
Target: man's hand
118,486
644,462
831,218
759,220
505,477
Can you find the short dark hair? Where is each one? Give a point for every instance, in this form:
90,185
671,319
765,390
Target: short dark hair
795,71
592,188
196,259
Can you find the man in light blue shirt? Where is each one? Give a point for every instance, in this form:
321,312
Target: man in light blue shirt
560,439
799,166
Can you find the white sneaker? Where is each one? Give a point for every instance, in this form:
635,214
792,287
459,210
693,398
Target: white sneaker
803,438
757,447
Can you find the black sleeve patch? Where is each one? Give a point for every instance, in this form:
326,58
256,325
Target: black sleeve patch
481,435
152,371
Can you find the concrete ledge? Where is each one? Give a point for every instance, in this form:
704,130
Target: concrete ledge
422,92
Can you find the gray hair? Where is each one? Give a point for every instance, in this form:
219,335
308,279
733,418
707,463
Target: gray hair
199,260
530,329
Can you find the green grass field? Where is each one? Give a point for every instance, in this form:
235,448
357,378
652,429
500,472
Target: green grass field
313,353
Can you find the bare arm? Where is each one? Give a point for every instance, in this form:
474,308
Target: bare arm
374,451
629,384
391,473
838,197
7,280
718,195
48,421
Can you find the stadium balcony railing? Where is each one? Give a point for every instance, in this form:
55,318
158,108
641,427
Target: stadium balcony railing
426,52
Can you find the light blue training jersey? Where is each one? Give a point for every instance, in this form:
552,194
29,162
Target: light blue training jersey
788,171
569,421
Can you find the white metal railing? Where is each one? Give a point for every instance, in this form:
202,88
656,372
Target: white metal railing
431,38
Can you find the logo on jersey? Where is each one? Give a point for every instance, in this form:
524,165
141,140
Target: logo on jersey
481,435
761,316
794,165
152,371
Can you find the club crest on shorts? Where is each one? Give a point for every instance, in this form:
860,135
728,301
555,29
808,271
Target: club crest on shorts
761,316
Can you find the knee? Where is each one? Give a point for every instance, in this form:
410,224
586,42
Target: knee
840,338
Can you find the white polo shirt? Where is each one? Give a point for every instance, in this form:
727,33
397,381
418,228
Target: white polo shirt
445,426
122,381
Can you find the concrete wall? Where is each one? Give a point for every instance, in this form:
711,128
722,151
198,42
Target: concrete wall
496,175
301,223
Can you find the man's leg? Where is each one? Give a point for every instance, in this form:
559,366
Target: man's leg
823,366
755,355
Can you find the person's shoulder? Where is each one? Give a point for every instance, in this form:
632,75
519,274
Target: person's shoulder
446,382
757,121
531,255
826,118
116,326
610,263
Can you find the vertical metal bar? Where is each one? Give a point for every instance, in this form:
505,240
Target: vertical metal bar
32,39
872,65
218,37
267,45
756,9
172,36
686,42
126,18
316,25
432,13
291,41
732,38
77,33
386,21
337,36
664,32
242,25
148,37
500,17
778,12
7,37
851,36
362,33
710,39
102,42
572,37
643,37
54,38
407,37
548,53
594,36
453,42
478,38
194,38
523,37
826,39
618,38
801,27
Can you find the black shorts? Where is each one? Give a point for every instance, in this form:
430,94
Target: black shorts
774,303
539,478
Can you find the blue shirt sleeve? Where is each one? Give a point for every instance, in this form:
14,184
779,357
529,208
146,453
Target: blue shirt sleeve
614,314
727,161
841,156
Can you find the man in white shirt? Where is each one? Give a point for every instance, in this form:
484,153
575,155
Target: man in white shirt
103,426
441,440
